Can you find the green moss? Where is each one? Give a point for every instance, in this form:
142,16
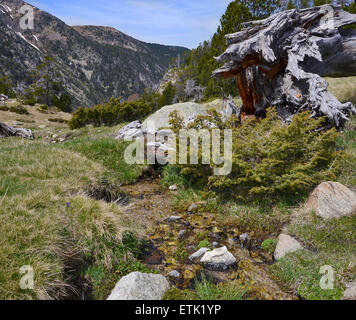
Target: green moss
203,243
174,294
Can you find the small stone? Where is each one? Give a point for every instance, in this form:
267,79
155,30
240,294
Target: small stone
244,240
214,244
42,126
18,123
332,200
140,286
350,292
219,259
173,218
198,254
181,234
174,274
55,136
192,208
173,188
285,245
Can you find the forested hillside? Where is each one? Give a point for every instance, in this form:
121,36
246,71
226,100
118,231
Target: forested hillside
198,64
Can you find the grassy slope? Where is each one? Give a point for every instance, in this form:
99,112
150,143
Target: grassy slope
38,179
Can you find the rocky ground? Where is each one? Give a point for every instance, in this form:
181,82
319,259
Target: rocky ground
175,238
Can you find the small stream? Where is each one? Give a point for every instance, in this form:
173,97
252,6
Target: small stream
168,250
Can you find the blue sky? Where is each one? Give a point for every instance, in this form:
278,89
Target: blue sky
174,22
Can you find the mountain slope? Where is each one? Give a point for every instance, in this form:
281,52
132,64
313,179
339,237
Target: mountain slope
96,63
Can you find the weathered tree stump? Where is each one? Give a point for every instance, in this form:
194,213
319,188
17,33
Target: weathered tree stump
280,61
7,131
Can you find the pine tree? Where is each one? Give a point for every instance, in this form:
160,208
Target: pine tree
167,95
47,87
200,63
6,87
291,5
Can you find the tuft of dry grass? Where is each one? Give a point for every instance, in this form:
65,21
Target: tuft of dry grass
38,227
34,118
343,89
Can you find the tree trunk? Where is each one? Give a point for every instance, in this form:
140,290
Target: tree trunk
279,62
7,131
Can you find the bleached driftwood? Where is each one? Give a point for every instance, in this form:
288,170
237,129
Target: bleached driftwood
7,131
280,61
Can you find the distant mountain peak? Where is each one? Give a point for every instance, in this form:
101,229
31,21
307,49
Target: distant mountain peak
96,62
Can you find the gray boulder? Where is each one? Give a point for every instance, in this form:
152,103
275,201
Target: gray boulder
332,200
219,259
285,245
140,286
132,130
186,110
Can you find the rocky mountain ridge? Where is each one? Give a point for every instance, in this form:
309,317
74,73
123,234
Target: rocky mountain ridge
95,63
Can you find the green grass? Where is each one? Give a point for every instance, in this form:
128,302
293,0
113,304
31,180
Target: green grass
344,89
330,242
205,290
300,272
269,245
108,152
348,142
64,245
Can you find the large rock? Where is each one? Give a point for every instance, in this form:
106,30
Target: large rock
130,131
286,244
140,286
332,200
218,259
187,110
